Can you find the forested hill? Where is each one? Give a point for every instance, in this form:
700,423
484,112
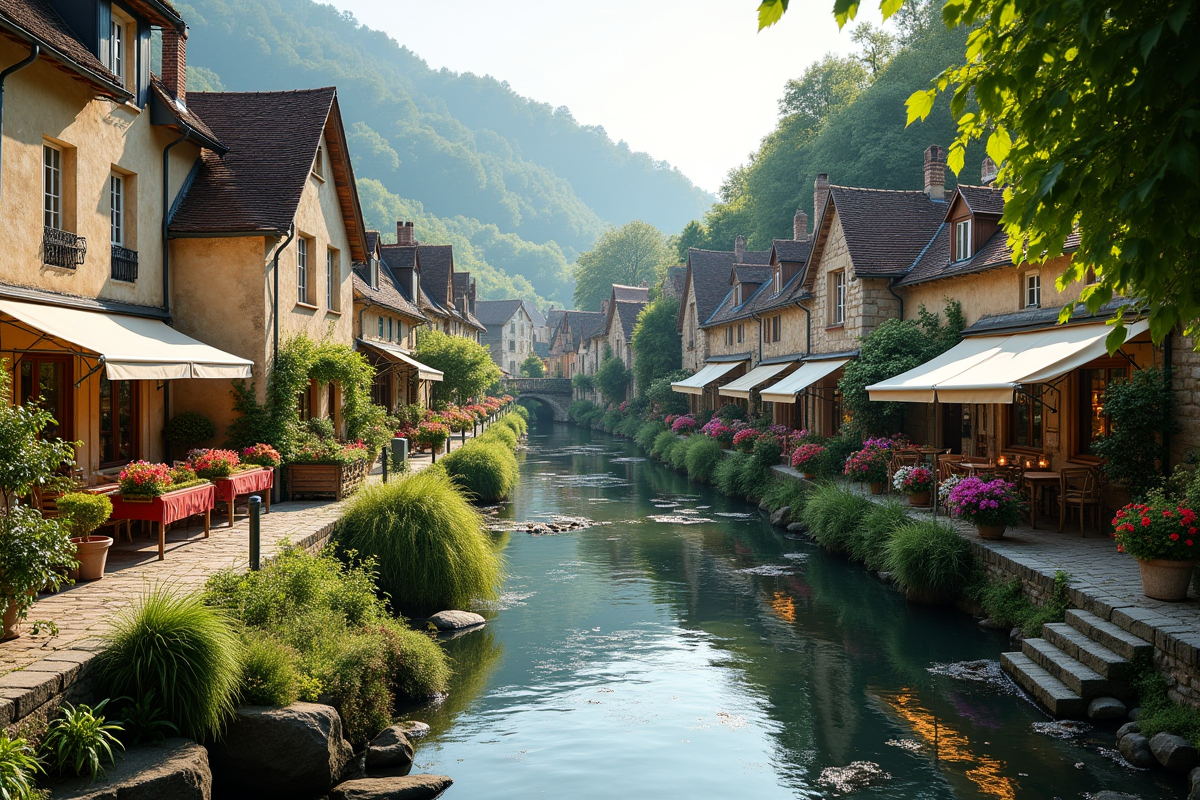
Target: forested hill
460,145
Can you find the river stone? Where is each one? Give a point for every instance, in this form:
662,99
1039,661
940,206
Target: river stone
1174,752
1106,708
1194,783
409,787
989,624
389,750
1108,794
177,769
797,527
412,729
1126,729
1135,713
762,505
297,751
781,516
454,620
1135,749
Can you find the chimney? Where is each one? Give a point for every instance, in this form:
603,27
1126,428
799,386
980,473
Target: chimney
604,307
739,249
987,174
935,172
174,63
404,233
820,194
471,296
800,226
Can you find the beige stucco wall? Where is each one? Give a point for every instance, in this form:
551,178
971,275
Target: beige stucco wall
997,291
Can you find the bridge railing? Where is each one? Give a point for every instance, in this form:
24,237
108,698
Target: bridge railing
543,385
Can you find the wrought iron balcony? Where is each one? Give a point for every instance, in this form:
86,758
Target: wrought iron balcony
62,248
124,264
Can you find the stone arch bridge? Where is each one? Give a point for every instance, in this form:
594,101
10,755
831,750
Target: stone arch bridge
554,392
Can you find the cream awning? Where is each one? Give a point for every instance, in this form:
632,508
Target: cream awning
706,375
988,369
424,372
809,373
753,379
132,348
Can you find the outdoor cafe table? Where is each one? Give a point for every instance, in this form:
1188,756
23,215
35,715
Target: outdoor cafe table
1038,481
168,508
247,482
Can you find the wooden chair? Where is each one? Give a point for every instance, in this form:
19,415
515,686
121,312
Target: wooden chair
901,458
47,503
1078,488
944,461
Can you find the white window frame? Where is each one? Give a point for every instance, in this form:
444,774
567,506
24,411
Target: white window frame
1033,290
962,240
116,209
737,295
302,270
839,297
778,279
330,295
117,33
52,186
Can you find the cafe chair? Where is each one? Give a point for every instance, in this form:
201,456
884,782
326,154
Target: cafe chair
1078,488
901,458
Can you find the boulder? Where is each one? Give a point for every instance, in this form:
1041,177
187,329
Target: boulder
409,787
412,729
297,751
1194,784
1135,749
177,769
989,624
455,620
1106,708
1126,729
781,516
389,750
1135,713
762,506
797,527
1174,752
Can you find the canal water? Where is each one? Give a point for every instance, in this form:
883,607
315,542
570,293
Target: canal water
682,648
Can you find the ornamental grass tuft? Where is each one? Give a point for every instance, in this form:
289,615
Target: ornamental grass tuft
647,433
516,423
833,514
930,559
662,444
782,492
678,454
703,456
729,475
502,434
869,541
487,471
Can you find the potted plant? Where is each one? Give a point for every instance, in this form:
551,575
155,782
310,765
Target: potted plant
869,465
261,455
1162,536
808,459
744,439
916,482
32,551
210,464
83,513
991,505
432,435
142,481
683,425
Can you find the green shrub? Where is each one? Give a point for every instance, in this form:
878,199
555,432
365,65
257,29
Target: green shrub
80,741
500,433
662,444
703,455
782,492
679,451
838,449
321,427
833,515
579,408
83,512
729,475
930,559
521,411
868,542
270,676
611,420
629,427
189,429
1159,712
488,471
647,433
179,649
516,423
432,550
1006,603
18,765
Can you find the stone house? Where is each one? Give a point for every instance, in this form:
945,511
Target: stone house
508,332
432,269
566,339
620,317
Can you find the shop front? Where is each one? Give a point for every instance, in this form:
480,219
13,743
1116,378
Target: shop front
745,390
809,398
703,388
400,379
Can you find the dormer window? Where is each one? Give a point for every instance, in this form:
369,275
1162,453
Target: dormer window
374,272
737,294
962,240
778,280
116,52
318,167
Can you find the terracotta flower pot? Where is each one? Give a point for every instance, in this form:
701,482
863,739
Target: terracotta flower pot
877,488
1163,579
11,629
918,499
991,531
92,552
808,476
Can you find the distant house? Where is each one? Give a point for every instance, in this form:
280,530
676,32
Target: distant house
432,268
621,313
566,339
508,332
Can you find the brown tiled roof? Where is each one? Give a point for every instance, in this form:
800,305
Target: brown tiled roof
186,117
757,257
745,274
630,294
37,20
431,308
983,199
886,230
389,294
792,250
575,321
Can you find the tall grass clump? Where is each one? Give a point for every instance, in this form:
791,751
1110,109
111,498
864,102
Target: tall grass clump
270,672
430,543
521,411
729,475
662,443
515,422
869,542
182,651
833,514
782,492
703,455
487,471
629,427
647,433
502,434
1006,603
930,560
678,453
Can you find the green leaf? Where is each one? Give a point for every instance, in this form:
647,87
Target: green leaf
1162,319
1149,39
999,145
770,12
919,105
844,11
890,7
956,157
1115,338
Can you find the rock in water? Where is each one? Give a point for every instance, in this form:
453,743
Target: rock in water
1135,749
1194,782
1106,708
781,517
455,620
177,768
1126,729
412,729
1108,794
389,750
410,787
292,752
762,506
1135,713
797,527
989,624
1174,752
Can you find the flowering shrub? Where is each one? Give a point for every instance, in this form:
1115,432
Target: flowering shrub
143,479
1158,529
869,465
432,435
744,439
717,429
913,480
947,486
319,452
181,473
993,502
683,424
624,406
215,463
669,420
263,455
458,419
808,457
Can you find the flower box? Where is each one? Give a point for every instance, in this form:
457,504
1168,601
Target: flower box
338,480
166,508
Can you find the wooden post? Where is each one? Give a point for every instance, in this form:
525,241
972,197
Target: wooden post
162,540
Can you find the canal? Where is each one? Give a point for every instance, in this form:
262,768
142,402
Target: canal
682,648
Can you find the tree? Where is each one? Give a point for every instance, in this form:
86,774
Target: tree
612,379
878,47
825,87
629,255
657,345
533,367
467,367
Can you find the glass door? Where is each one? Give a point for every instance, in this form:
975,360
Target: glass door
45,381
118,422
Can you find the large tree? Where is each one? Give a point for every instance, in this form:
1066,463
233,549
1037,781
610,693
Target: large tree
631,254
656,342
467,366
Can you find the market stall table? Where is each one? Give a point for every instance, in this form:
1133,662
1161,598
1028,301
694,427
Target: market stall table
167,508
244,483
1038,481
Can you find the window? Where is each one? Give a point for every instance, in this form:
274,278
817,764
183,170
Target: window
729,334
512,345
374,272
116,209
333,280
380,326
838,308
1090,278
1025,418
512,368
776,326
778,279
737,295
1033,290
1089,410
741,333
302,270
116,52
304,402
390,338
52,187
118,421
48,378
962,240
318,167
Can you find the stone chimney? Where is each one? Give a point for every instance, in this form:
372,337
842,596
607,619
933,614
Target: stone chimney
820,194
739,249
604,307
800,226
935,172
988,172
174,63
471,296
404,233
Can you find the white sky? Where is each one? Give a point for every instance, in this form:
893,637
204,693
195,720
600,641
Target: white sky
647,70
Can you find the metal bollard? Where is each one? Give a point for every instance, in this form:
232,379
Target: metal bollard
255,504
399,453
383,455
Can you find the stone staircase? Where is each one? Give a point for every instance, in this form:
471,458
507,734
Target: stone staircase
1075,662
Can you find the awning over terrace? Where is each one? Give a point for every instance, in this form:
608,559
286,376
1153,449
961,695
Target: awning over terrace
809,373
753,379
707,374
988,369
130,348
393,353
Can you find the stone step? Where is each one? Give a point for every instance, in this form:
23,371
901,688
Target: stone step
1080,679
1106,634
1049,692
1087,652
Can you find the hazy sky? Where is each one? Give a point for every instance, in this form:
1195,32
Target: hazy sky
688,81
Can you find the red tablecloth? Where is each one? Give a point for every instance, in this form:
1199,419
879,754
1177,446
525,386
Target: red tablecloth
252,480
167,508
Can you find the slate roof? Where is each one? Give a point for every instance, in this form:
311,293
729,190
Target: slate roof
710,279
554,317
792,250
576,321
388,295
431,307
535,316
886,229
437,265
630,294
759,275
592,325
36,19
496,312
756,257
185,117
627,313
1033,318
399,256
